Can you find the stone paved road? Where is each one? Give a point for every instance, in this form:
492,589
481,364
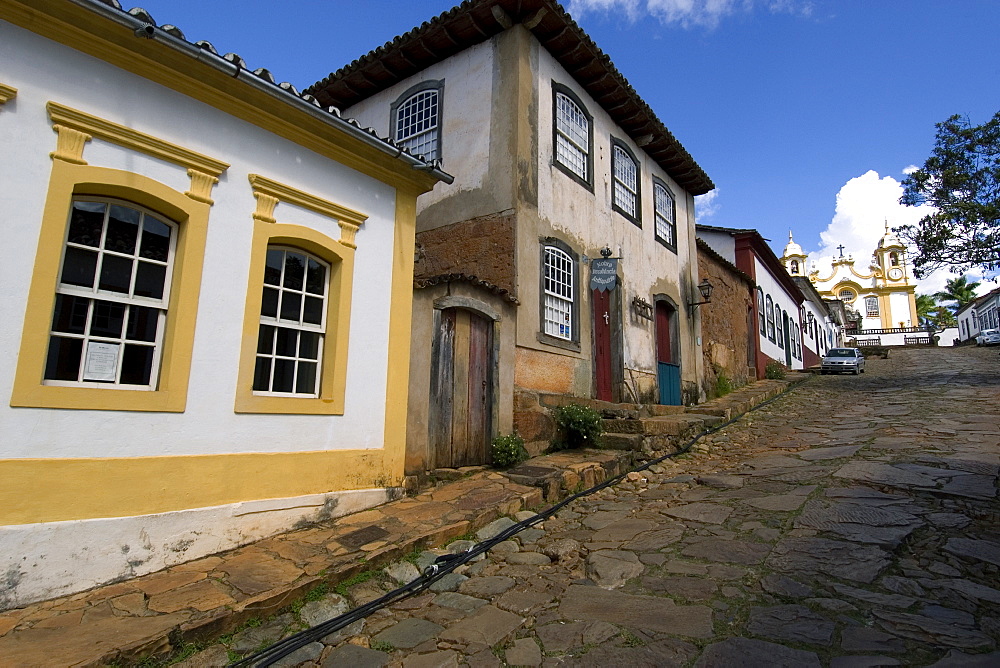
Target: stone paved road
852,522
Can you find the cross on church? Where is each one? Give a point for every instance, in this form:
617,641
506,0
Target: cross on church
841,249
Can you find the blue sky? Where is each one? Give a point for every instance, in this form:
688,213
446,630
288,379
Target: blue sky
805,113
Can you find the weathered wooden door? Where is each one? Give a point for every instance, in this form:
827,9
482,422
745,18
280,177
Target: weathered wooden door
461,409
668,371
602,344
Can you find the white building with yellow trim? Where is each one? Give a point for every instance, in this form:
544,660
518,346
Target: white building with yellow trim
883,293
205,281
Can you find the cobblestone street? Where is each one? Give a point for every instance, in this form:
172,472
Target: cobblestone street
852,522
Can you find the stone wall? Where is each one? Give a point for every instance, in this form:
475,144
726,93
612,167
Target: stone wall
724,322
483,247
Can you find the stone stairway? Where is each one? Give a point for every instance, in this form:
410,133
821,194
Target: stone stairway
649,429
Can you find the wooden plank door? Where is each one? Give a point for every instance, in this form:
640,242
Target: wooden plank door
668,372
602,344
479,393
460,423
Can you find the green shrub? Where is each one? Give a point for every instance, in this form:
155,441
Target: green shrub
774,370
579,426
723,385
508,451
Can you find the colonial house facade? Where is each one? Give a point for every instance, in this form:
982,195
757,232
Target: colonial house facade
777,300
206,288
562,260
979,314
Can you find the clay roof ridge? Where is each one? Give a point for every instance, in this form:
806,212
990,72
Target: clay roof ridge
429,281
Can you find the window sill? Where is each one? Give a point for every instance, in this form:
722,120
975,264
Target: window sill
558,343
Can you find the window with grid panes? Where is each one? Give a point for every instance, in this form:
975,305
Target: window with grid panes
769,308
558,293
111,300
572,136
871,306
418,122
292,323
778,333
760,312
664,212
625,193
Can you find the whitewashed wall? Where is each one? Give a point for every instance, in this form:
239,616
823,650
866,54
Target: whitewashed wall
209,425
780,296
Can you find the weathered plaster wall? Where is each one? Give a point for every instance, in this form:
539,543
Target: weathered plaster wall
585,220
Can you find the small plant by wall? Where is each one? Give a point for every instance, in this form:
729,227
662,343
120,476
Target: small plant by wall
723,385
774,370
508,451
579,427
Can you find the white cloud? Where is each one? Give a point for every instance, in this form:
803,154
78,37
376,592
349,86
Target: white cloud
688,13
909,169
864,205
705,205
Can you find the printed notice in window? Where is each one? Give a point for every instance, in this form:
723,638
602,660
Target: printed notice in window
101,362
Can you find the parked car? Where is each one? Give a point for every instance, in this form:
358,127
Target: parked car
988,337
839,360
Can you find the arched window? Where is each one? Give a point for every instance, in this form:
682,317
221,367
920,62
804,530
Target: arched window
558,293
417,120
573,134
894,259
770,318
292,323
111,299
778,324
664,209
625,173
846,295
794,264
760,312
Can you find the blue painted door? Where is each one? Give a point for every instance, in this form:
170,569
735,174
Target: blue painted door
669,377
668,372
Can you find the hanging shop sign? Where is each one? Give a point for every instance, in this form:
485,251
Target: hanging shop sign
604,274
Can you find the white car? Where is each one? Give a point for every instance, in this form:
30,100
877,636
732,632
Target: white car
841,360
988,337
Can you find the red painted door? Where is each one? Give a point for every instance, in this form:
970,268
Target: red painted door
602,344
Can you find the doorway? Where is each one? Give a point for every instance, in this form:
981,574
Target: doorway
462,377
668,368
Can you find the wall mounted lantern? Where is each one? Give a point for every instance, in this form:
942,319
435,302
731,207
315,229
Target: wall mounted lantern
705,288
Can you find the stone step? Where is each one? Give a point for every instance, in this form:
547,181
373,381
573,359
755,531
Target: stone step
671,424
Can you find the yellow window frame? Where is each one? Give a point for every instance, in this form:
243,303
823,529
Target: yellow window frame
69,180
339,253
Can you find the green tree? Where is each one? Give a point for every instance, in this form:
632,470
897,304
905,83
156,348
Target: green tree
926,307
961,180
930,313
958,290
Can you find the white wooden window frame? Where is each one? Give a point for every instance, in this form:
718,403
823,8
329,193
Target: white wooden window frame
558,293
665,215
572,126
298,326
625,182
97,295
417,122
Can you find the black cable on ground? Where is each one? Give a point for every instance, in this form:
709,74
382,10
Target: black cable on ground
447,563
